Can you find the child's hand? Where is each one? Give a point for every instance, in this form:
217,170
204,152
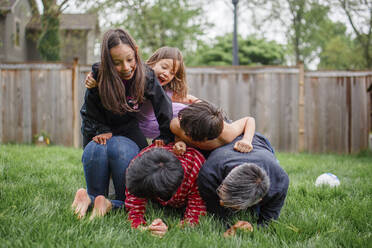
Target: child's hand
240,225
90,82
158,228
102,138
243,225
179,148
243,146
159,143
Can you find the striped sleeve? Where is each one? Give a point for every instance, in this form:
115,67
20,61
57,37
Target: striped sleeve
195,204
195,207
136,208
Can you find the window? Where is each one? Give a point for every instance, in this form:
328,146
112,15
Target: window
17,35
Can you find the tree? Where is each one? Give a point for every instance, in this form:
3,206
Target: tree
252,51
341,53
157,23
49,42
301,20
338,49
359,16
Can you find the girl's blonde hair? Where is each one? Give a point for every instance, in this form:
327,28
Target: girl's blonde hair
178,84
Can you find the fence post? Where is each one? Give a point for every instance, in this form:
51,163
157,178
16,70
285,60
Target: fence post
301,109
2,87
75,110
349,108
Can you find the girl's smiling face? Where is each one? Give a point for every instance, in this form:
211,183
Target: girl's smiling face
124,59
165,70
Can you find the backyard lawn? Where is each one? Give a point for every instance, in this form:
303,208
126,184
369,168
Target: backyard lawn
38,184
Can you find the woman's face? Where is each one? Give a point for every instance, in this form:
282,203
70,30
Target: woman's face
124,60
164,70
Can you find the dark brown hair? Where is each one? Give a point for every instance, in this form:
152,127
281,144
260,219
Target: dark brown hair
157,173
201,121
178,84
110,85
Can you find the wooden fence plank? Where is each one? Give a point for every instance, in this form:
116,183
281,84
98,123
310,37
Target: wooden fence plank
311,121
26,111
69,105
359,113
241,97
262,114
301,109
2,87
75,104
276,112
10,108
225,87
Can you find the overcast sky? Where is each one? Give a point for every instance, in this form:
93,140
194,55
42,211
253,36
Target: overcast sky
220,13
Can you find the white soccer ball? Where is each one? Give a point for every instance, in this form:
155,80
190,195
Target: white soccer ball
327,179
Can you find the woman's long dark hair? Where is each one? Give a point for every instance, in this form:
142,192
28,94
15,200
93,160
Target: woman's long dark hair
110,85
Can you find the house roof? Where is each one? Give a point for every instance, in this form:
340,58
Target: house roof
70,22
7,4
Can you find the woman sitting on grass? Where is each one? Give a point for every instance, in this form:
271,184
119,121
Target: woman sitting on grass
110,129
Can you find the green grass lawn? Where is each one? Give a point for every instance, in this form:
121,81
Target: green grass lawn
37,186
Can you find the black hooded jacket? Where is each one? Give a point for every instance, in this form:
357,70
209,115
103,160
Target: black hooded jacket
96,119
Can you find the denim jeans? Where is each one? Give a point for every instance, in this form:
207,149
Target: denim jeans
101,161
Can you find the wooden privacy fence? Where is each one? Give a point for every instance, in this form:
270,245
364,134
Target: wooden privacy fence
296,110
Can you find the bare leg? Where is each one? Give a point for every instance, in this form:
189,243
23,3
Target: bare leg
81,203
101,207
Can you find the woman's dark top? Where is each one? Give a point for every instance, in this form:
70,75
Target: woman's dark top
96,119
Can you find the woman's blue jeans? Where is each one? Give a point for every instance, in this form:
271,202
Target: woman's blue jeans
101,161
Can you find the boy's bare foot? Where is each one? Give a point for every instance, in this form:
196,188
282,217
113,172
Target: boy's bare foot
101,207
81,203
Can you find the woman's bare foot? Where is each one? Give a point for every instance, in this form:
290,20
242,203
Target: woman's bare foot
81,203
101,207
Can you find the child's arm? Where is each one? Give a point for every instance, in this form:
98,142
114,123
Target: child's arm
195,207
186,100
136,208
246,125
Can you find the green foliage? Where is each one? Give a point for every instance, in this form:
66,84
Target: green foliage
306,31
341,53
359,15
252,51
49,40
338,51
311,34
38,186
157,23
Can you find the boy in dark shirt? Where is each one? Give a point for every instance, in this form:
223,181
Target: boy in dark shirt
230,180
